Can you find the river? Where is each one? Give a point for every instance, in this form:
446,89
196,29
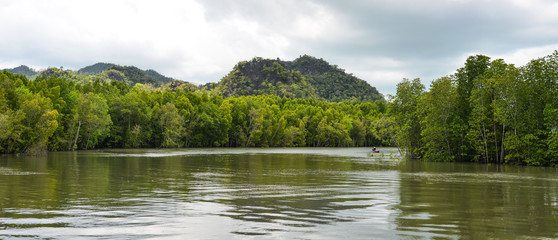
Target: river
293,193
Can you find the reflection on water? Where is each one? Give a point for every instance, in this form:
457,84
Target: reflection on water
479,201
302,193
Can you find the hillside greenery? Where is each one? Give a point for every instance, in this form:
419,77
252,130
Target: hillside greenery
61,112
134,75
95,69
102,71
23,70
488,111
158,77
264,77
305,77
331,82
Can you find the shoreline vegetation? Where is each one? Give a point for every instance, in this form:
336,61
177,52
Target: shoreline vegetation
260,103
488,111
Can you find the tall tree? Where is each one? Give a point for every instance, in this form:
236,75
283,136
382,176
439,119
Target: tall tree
439,115
486,133
91,121
171,123
39,123
465,77
406,109
12,129
128,114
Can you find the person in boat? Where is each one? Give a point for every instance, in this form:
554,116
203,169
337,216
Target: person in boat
373,149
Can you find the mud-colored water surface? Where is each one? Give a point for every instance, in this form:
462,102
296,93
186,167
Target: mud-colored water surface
300,193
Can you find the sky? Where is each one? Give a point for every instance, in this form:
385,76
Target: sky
200,41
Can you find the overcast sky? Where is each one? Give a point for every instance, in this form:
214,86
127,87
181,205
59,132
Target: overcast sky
380,41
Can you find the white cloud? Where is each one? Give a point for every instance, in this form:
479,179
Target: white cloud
521,57
380,72
201,40
384,81
538,10
518,57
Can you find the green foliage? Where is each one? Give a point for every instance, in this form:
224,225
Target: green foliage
332,83
39,123
128,114
95,68
23,70
489,111
439,106
70,112
305,77
12,130
130,75
407,111
264,77
465,78
57,73
90,121
171,124
157,76
135,75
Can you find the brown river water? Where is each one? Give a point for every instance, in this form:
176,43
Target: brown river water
292,193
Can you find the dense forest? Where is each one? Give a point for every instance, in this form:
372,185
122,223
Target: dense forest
488,111
264,77
60,110
304,77
331,82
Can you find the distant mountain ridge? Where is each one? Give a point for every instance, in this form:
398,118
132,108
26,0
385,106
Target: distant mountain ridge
110,71
95,68
158,77
331,82
305,76
264,77
23,70
138,75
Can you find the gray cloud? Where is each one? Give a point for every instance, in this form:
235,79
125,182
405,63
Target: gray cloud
428,38
380,41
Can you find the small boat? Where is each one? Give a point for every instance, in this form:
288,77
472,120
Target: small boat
374,151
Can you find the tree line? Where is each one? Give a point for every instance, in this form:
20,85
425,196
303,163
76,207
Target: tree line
488,111
58,113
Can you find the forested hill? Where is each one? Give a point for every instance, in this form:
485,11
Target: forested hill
103,72
23,70
135,75
264,77
331,82
306,76
95,68
130,73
